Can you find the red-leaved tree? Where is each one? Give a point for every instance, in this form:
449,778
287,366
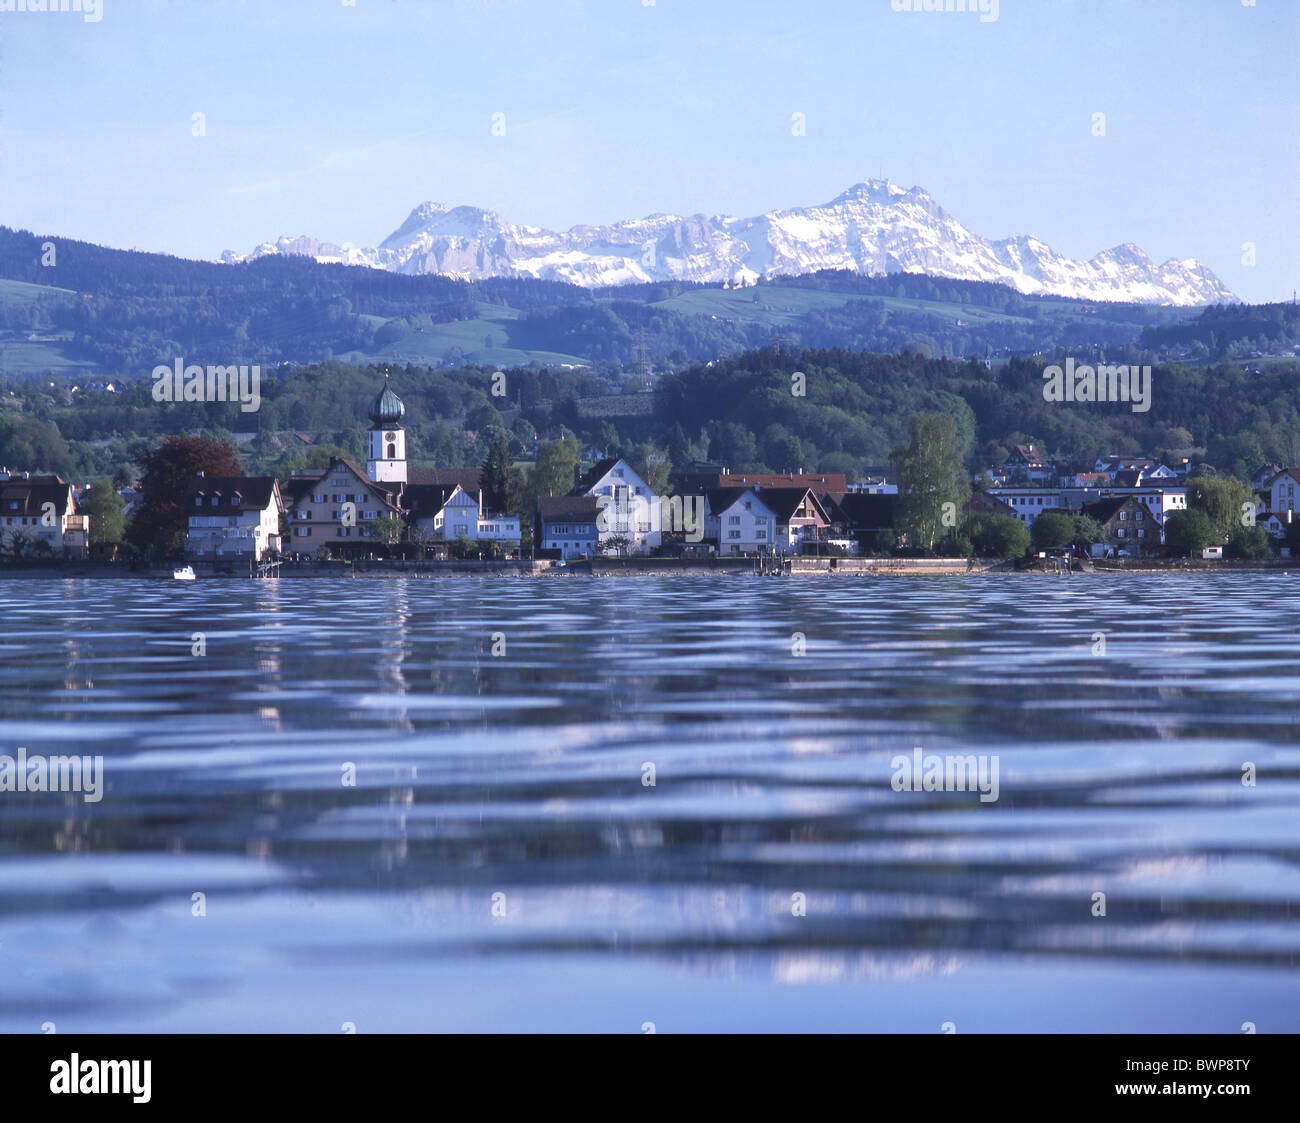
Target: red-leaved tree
159,520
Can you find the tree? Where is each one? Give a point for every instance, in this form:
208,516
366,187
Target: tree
998,536
498,472
1249,542
1188,532
160,519
652,465
482,416
104,507
930,475
387,529
19,540
556,469
608,440
1223,500
1087,530
1052,530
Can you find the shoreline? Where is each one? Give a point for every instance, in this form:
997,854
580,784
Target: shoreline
660,567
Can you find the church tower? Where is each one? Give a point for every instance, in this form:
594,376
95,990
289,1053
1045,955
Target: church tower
387,457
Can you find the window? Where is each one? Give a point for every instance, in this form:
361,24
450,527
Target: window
760,534
1122,532
1123,516
215,500
198,502
618,473
1142,533
733,520
392,452
733,534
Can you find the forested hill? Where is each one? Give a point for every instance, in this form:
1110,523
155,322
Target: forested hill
76,308
744,412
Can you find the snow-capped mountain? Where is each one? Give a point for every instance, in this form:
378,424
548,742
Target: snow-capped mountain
875,227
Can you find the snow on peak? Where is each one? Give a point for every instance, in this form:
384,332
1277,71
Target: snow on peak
873,227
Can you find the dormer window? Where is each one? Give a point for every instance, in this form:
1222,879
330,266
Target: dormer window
198,502
215,500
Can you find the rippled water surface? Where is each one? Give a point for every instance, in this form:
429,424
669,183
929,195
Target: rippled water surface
501,861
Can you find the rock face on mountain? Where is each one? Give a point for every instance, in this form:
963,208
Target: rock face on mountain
875,227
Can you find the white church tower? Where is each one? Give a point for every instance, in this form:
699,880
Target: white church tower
387,458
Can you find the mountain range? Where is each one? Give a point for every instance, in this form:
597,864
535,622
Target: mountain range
873,228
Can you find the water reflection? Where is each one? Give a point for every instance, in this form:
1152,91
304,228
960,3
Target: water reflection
351,770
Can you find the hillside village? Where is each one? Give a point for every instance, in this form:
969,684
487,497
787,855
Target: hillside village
347,509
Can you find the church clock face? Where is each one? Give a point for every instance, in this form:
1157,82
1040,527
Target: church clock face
390,436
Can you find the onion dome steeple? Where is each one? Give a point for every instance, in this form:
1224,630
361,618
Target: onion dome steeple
387,410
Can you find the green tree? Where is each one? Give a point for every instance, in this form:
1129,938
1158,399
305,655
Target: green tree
999,536
1249,542
1188,532
930,475
498,470
652,465
557,464
1052,530
1222,499
387,530
104,507
1087,531
482,417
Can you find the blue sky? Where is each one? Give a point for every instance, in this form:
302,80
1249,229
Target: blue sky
335,120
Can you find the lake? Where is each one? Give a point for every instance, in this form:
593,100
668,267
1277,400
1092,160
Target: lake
677,804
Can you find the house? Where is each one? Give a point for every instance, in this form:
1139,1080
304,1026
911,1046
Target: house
1129,525
985,503
628,506
446,514
567,525
738,521
1281,492
866,520
1030,460
1261,479
37,509
233,516
334,507
801,518
1027,503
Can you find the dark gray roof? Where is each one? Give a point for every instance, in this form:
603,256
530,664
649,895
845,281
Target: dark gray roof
254,493
592,475
578,507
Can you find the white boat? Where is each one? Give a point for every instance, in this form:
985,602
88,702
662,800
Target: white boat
183,573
